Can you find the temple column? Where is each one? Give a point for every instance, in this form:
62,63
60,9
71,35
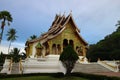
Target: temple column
83,48
56,49
43,51
50,48
61,48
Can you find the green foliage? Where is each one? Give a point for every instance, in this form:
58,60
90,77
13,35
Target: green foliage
23,56
11,36
41,76
69,58
106,49
5,16
15,55
2,59
69,54
39,45
56,76
33,37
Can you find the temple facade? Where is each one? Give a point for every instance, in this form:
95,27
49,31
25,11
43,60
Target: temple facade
62,32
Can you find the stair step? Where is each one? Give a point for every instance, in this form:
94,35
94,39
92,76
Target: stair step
88,68
15,68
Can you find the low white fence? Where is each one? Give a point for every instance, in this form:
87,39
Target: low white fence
111,65
7,66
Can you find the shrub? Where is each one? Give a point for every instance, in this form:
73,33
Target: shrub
68,58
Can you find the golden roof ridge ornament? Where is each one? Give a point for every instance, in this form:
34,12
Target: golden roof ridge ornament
70,12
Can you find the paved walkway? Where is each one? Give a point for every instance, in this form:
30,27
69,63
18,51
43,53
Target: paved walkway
115,74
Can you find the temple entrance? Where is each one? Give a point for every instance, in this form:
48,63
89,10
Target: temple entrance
54,50
71,43
38,50
59,49
65,43
47,51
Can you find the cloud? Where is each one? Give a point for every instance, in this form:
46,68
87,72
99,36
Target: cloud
5,44
4,49
13,44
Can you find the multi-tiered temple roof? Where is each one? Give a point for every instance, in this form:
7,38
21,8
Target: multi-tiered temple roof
57,27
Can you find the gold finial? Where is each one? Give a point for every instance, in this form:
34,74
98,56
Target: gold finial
70,11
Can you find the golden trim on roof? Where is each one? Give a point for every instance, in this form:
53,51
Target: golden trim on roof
58,25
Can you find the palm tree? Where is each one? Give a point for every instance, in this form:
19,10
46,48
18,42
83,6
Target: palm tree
15,54
11,36
4,16
2,59
33,37
23,55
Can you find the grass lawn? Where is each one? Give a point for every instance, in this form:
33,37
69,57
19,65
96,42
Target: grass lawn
45,78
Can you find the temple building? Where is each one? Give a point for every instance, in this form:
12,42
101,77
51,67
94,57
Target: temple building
43,52
62,32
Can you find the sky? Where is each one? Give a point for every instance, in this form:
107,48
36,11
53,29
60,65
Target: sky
94,18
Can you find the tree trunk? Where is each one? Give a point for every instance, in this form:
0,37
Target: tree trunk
2,27
69,66
9,47
1,35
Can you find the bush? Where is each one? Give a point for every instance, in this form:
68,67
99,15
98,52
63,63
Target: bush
69,58
2,59
58,75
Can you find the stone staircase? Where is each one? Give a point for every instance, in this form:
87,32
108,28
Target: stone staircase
90,68
49,64
15,68
41,67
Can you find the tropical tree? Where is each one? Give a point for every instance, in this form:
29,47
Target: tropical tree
107,48
69,58
118,25
33,37
23,55
11,36
5,16
2,59
15,55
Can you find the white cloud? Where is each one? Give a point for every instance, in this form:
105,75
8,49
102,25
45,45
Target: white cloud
13,44
4,49
4,46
